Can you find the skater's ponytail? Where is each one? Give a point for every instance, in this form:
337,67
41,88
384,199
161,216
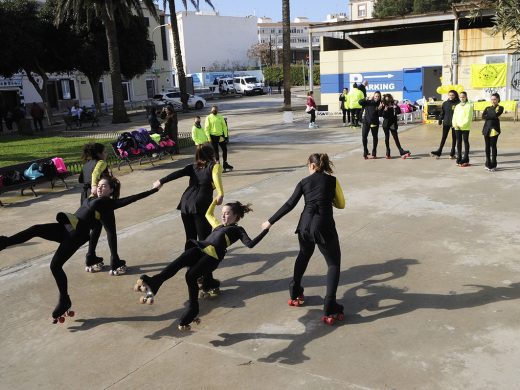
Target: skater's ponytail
204,155
322,162
239,209
91,151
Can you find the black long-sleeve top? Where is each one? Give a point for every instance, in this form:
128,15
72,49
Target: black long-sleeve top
199,194
223,236
447,109
372,111
389,114
94,211
491,115
320,191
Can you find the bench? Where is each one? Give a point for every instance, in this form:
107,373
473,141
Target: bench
72,121
23,185
130,157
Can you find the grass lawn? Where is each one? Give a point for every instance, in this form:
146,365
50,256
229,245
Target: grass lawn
16,149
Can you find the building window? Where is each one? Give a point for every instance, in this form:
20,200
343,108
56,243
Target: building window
146,21
150,88
126,91
101,92
362,10
496,59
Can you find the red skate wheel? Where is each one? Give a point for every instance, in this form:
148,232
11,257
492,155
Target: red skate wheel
70,313
142,300
290,302
61,320
149,301
340,316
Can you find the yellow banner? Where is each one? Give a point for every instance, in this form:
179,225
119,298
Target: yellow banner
488,75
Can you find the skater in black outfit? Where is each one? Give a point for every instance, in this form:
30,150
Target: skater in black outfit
321,191
373,110
491,131
343,106
95,166
71,231
389,113
204,257
445,118
205,174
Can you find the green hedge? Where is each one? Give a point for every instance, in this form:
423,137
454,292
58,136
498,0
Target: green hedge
274,74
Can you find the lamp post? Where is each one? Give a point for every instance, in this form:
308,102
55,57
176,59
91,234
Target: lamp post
155,71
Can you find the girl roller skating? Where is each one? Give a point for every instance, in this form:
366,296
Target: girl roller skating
203,258
321,191
94,156
373,108
491,131
311,110
205,174
445,120
461,121
71,231
389,113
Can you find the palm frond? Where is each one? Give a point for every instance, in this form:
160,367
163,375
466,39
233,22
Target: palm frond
196,4
211,5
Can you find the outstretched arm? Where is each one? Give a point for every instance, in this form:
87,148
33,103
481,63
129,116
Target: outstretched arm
339,198
216,177
289,205
175,175
210,215
118,203
251,243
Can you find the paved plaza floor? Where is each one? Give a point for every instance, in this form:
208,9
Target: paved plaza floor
430,277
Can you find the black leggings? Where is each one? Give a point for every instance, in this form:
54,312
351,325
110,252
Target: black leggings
69,242
313,115
445,131
395,136
332,253
95,233
462,135
215,141
356,115
491,151
364,135
346,115
198,264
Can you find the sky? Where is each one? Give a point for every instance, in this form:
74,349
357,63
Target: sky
315,10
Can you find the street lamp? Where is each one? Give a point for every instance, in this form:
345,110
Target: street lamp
154,70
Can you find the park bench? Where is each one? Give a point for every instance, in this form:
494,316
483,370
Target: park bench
25,184
72,121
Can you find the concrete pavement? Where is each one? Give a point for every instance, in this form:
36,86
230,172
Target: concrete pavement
430,278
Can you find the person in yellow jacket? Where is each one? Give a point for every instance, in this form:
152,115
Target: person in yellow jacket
352,104
461,122
198,135
216,131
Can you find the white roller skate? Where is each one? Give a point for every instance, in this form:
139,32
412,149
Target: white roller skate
95,268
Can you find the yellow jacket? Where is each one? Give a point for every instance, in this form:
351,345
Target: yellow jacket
198,135
215,125
462,116
353,98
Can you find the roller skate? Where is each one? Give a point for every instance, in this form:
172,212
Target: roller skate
118,268
147,285
94,263
296,295
435,154
62,310
366,155
227,167
405,154
210,289
3,242
388,155
333,312
189,317
452,156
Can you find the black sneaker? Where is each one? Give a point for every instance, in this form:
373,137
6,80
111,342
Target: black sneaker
227,167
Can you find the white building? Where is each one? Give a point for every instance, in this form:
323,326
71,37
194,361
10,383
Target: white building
213,41
361,9
65,89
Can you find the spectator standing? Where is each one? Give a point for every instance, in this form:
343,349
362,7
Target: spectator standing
363,88
198,135
75,112
171,126
216,131
37,114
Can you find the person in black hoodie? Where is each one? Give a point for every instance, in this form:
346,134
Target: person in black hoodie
321,192
71,231
373,109
390,112
445,120
491,130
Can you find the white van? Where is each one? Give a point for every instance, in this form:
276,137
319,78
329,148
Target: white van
248,85
226,85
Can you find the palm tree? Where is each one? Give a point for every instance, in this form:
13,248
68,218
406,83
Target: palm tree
286,61
179,66
106,11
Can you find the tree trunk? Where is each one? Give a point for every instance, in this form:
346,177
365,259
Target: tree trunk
286,22
119,114
43,93
94,85
178,55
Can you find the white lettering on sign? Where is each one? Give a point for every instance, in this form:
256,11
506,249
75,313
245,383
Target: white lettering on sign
381,87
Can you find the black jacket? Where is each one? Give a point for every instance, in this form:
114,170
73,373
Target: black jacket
447,111
389,114
316,221
490,115
372,111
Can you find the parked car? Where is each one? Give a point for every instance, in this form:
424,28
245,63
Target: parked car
248,85
174,98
